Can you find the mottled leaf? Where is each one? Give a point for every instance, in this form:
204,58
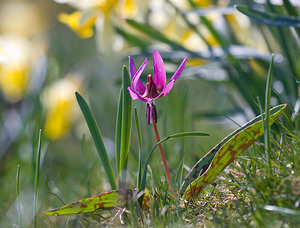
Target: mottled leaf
207,168
106,200
102,201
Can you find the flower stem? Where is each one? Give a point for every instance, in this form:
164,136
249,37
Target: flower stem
163,157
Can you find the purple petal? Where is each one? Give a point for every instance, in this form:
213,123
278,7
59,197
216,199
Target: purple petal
134,95
167,89
137,85
159,72
179,70
170,85
132,68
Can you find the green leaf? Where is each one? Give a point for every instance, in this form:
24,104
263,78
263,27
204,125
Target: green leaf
207,168
269,18
138,129
97,138
126,121
102,201
119,130
132,39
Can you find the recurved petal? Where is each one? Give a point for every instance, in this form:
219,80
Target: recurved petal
132,68
134,95
179,70
137,85
159,72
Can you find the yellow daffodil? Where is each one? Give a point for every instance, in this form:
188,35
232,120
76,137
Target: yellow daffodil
15,67
60,104
83,20
19,47
83,29
203,3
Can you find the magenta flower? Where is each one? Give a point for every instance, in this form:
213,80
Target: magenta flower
156,86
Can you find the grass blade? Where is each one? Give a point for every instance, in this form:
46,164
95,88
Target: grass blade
138,129
97,138
37,176
179,174
269,18
18,194
267,110
126,124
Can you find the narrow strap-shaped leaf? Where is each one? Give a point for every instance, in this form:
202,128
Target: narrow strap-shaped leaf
126,120
133,39
102,201
97,138
239,141
138,129
119,130
269,18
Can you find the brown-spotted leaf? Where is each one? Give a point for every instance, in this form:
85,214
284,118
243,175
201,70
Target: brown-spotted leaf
238,141
102,201
106,200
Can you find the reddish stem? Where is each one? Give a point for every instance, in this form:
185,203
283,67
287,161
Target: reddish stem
163,157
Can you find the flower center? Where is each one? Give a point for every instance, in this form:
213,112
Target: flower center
151,90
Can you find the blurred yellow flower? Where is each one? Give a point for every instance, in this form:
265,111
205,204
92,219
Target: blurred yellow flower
203,3
85,29
21,23
15,66
60,105
83,20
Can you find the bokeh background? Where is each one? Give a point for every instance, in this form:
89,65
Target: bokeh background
50,49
